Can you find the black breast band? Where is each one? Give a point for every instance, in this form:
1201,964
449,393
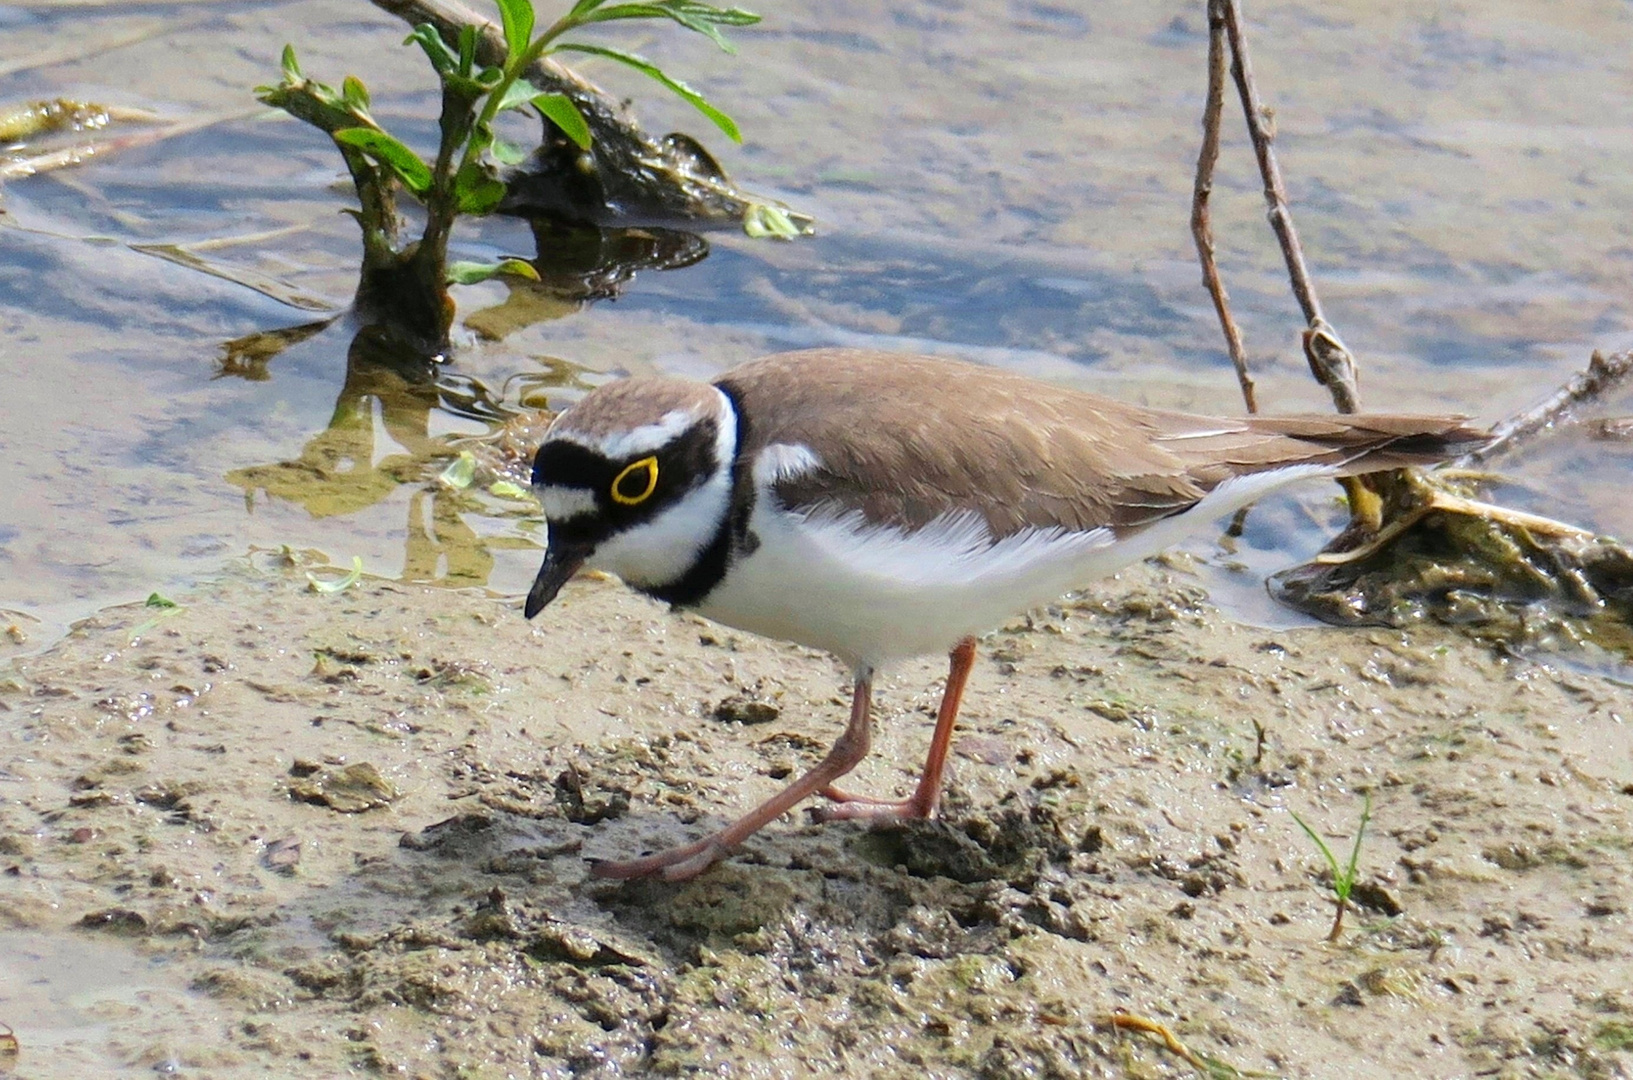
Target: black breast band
711,565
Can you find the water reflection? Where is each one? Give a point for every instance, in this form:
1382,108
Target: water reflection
345,467
579,265
380,435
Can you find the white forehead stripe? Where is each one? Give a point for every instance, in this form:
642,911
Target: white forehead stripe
641,440
784,461
561,503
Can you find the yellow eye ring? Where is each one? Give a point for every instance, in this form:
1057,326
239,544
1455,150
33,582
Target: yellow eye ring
623,498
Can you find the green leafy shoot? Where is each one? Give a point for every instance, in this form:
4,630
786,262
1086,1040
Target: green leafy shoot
164,608
702,18
468,182
463,180
355,94
443,59
517,18
646,67
462,176
1343,878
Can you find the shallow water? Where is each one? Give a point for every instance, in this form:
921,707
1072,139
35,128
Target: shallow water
91,1008
1003,182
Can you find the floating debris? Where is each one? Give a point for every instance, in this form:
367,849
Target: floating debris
21,122
320,585
460,472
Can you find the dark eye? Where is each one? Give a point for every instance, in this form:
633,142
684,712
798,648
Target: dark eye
636,483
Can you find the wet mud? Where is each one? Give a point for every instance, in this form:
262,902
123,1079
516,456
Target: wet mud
274,830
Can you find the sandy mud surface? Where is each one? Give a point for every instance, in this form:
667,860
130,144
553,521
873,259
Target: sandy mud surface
277,832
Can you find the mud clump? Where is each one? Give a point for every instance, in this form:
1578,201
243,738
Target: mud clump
592,810
350,790
746,710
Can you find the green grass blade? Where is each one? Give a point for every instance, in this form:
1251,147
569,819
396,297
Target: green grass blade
1355,852
648,68
1326,851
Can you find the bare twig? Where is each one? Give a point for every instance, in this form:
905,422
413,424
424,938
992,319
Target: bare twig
1330,361
1332,364
1201,221
1603,373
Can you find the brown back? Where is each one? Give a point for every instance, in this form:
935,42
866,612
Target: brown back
923,437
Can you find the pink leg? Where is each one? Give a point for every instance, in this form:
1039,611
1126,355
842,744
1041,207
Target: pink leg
690,860
922,803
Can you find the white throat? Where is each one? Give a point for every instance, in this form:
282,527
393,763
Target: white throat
661,551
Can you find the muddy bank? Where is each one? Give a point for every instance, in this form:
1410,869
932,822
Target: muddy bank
278,831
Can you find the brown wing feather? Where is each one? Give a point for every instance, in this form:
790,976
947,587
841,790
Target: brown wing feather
925,437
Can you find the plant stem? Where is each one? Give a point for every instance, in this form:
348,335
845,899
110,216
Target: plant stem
1337,919
513,69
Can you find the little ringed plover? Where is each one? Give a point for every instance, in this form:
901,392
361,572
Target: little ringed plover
881,506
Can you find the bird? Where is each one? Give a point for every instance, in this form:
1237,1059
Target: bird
880,506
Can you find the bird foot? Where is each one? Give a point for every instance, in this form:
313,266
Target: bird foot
833,794
674,864
861,808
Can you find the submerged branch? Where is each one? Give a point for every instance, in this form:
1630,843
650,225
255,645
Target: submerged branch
1602,374
626,177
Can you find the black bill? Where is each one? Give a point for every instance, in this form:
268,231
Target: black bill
560,564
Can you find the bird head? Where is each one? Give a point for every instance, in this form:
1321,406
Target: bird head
635,479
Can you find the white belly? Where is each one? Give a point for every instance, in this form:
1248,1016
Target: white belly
869,594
